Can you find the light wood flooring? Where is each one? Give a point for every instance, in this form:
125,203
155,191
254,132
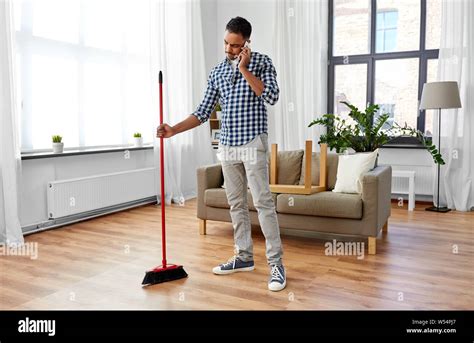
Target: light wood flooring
100,263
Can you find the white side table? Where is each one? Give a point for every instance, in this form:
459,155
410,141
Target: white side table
410,174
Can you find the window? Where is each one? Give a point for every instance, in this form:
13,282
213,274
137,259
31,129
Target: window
387,31
402,40
351,19
350,85
395,80
83,72
398,24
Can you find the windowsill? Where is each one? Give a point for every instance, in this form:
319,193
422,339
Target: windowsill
403,143
403,146
75,152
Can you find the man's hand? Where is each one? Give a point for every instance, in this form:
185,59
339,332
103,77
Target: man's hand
244,58
165,131
254,82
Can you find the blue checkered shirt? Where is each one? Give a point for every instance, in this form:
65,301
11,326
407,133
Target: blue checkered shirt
244,114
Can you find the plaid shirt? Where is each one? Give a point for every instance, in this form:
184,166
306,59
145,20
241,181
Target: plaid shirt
244,114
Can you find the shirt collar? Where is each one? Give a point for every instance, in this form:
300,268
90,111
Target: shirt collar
252,57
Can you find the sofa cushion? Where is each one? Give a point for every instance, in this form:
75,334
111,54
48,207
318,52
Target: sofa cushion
332,161
323,204
216,197
289,167
351,168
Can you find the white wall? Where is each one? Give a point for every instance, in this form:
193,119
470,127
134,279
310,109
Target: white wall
209,29
259,13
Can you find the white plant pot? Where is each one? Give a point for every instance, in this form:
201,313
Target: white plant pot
218,115
138,141
58,148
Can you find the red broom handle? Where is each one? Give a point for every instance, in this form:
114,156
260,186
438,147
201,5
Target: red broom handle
162,175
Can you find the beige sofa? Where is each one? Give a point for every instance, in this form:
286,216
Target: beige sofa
363,215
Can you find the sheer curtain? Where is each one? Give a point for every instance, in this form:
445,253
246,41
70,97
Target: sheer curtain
456,63
10,159
301,52
177,50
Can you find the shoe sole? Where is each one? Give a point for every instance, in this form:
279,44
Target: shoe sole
278,289
231,271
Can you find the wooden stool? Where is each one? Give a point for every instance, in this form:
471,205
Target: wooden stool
307,188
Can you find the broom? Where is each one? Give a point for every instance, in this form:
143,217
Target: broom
165,272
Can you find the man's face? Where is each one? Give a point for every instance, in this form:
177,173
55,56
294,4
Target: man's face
233,44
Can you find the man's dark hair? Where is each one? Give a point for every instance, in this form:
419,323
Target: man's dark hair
240,25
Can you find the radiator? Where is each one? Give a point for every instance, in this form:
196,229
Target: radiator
73,196
423,180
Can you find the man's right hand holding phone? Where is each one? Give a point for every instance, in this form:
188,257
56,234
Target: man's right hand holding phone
244,56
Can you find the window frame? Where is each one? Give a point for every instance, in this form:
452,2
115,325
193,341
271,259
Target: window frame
422,54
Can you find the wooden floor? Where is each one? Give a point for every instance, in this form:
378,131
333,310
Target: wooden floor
100,263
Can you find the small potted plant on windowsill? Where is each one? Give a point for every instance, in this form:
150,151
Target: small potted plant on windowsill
58,145
138,139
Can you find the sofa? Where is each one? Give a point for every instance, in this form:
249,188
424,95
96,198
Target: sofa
362,215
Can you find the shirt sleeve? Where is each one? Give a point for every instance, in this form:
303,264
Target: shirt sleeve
271,92
211,96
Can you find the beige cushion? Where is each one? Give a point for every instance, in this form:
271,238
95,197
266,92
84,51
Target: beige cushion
332,161
216,197
324,204
289,167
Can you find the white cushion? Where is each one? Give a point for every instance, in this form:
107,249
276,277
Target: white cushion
351,168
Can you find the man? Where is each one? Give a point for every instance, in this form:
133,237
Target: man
242,84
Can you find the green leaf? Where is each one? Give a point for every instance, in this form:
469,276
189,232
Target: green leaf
364,133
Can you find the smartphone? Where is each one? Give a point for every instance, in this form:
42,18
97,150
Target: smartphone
246,45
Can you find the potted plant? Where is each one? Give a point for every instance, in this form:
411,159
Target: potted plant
58,145
138,139
218,110
364,134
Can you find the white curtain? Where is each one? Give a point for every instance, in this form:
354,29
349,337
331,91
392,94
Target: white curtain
456,63
301,51
10,159
177,50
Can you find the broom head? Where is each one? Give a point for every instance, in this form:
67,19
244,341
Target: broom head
163,274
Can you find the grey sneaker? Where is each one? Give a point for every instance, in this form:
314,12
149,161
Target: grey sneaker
277,280
234,265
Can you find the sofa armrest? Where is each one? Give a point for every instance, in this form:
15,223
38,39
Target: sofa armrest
207,177
376,196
